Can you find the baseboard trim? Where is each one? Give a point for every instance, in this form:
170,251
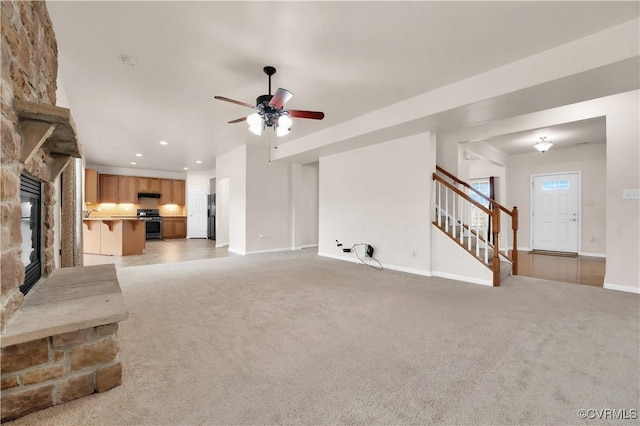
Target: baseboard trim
602,255
306,246
384,265
463,278
222,244
625,288
236,251
275,250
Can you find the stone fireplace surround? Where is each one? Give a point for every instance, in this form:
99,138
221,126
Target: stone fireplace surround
59,342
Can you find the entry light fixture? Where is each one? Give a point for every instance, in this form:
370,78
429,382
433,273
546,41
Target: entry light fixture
543,144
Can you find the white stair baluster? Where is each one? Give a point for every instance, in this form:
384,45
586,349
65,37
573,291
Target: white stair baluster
439,203
446,203
477,233
453,206
469,233
461,211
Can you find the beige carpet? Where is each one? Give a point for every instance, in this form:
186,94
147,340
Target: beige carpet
298,339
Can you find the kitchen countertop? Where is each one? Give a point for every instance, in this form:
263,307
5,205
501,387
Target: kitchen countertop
111,218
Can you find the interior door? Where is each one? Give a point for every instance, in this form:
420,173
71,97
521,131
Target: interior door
555,212
197,207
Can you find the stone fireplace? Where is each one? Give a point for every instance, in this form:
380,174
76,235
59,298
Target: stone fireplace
59,341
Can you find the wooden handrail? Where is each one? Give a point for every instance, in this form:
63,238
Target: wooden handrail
461,193
466,185
494,212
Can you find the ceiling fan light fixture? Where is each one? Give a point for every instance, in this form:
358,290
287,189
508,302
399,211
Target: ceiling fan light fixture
284,125
255,123
543,145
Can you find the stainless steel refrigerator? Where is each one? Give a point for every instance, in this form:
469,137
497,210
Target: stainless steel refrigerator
211,213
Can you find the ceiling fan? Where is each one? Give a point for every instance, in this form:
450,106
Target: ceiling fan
270,110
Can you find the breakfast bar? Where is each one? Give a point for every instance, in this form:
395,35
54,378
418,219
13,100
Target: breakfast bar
113,236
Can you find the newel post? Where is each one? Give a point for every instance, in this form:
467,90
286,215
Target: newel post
495,218
514,250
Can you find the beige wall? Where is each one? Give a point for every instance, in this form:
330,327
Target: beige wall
380,195
590,160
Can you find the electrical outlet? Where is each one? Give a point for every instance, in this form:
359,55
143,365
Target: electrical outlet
631,194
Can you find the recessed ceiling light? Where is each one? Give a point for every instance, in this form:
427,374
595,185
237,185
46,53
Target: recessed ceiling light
134,163
138,155
185,168
164,143
198,162
127,60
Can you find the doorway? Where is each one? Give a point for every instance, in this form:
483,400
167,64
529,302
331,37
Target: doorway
555,212
197,219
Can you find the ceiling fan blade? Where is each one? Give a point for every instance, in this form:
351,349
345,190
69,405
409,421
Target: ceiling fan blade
314,115
222,98
280,98
238,120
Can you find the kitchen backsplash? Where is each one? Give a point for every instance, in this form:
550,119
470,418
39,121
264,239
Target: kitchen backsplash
112,209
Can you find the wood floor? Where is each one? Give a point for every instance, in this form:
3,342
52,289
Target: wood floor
578,270
163,251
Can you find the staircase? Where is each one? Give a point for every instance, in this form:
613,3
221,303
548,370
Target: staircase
477,223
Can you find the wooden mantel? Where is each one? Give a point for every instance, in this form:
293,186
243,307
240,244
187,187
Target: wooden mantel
48,127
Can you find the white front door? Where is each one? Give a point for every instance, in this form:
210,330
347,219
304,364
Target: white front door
197,207
555,212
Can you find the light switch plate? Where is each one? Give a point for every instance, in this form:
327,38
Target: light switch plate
631,194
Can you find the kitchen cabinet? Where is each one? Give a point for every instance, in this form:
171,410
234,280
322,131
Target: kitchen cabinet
177,193
166,191
154,185
172,191
90,186
127,191
174,227
148,185
108,188
113,236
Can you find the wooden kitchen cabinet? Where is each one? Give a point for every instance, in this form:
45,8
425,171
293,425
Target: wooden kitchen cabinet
90,186
127,191
166,191
154,185
174,227
108,188
177,193
148,185
142,184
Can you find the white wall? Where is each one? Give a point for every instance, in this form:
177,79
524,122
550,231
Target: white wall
199,179
233,165
268,202
309,204
623,172
449,260
380,195
129,171
222,212
590,160
622,236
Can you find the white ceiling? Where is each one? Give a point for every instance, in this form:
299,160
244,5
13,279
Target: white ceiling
343,58
567,135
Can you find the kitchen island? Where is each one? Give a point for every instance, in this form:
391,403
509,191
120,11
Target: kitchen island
113,236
